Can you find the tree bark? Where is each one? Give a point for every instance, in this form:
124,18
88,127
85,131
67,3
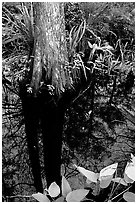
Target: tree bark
50,46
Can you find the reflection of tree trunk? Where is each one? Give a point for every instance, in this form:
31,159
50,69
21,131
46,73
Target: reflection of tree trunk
52,127
31,125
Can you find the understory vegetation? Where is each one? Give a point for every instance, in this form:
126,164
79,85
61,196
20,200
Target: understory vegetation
98,140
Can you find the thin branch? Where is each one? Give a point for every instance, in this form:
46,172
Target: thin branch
121,193
81,94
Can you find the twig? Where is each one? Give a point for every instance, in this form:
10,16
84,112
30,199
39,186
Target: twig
82,92
116,188
112,190
121,193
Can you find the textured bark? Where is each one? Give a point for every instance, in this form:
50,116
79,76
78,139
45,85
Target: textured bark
50,46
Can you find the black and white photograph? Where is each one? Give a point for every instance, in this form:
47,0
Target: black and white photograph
68,101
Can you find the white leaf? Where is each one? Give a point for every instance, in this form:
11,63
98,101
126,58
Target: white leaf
77,195
129,196
89,174
130,170
127,179
120,180
54,190
109,170
65,187
40,197
105,181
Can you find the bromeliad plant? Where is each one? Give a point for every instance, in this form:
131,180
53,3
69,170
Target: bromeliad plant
102,181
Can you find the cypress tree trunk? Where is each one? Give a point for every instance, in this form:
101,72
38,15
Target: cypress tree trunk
50,59
49,79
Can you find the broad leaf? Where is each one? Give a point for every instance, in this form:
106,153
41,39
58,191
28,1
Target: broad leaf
120,180
54,190
65,187
89,174
127,179
109,170
40,197
77,195
105,181
129,196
